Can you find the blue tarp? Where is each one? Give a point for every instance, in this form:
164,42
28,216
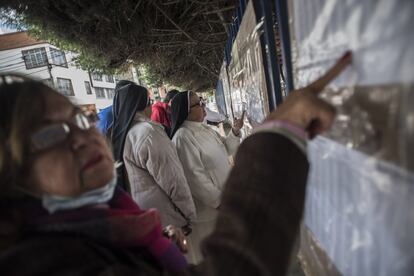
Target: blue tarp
105,119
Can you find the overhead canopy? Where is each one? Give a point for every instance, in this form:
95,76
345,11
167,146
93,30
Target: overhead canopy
182,41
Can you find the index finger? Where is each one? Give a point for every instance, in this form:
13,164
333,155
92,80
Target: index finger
318,85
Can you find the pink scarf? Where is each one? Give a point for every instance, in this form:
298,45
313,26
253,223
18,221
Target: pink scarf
120,222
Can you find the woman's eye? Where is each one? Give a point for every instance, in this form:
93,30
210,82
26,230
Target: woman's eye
50,136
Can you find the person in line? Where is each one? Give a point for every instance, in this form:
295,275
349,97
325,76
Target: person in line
62,213
154,173
161,111
106,117
205,157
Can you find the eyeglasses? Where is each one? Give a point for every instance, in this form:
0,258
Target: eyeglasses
55,134
200,103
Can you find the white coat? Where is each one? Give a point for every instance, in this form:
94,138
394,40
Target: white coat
204,155
155,173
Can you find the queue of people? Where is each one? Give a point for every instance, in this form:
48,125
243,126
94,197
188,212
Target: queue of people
67,209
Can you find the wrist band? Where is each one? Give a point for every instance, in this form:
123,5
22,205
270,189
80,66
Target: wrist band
285,125
297,135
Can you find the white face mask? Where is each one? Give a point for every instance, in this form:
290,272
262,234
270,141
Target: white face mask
103,194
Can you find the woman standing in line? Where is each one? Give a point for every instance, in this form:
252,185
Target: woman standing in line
154,173
205,158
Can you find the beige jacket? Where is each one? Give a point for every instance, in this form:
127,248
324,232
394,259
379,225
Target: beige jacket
155,173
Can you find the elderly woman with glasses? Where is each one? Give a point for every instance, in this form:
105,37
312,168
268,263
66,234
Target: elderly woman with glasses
61,212
205,157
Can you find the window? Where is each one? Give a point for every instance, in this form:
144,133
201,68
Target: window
97,76
58,57
110,93
48,82
109,78
35,58
100,93
88,88
65,87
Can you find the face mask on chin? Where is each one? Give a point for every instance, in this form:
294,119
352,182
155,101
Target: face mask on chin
53,203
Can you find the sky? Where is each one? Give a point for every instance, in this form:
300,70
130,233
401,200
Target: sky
5,28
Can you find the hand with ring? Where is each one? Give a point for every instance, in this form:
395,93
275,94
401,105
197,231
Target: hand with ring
176,235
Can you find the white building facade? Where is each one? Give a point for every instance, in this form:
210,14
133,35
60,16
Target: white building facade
42,61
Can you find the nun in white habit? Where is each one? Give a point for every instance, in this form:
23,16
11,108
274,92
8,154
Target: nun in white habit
204,154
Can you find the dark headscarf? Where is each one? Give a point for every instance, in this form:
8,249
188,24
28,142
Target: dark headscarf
121,83
170,95
180,107
128,100
106,116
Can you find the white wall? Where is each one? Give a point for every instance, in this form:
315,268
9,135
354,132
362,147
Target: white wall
102,103
12,61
